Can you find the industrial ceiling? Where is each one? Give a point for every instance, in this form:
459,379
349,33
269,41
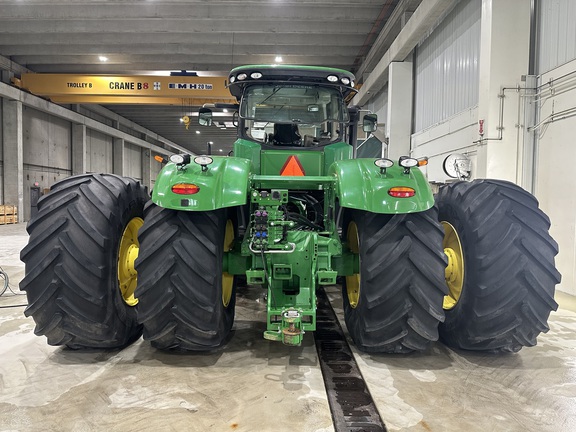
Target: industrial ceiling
206,37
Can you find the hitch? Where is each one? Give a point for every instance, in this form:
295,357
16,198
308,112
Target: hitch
290,331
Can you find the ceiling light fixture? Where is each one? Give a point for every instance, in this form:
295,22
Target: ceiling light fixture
278,59
198,132
103,58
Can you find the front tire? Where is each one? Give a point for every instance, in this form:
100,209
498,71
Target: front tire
72,261
186,301
394,303
502,280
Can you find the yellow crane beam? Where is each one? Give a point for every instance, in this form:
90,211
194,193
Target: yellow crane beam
132,100
127,89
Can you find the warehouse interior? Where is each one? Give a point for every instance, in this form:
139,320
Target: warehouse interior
490,81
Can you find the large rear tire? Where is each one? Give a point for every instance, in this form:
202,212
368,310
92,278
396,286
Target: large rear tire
501,269
394,303
73,257
186,301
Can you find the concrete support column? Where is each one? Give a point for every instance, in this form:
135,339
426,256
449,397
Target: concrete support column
504,57
399,121
79,165
118,156
13,146
146,168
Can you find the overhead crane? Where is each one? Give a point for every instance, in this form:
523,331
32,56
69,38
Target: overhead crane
126,89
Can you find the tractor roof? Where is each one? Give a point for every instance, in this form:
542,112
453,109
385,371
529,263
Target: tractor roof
242,76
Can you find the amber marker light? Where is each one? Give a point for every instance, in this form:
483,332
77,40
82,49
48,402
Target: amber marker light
160,159
422,161
401,192
185,189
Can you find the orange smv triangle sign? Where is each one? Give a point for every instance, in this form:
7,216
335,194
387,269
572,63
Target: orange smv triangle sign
292,167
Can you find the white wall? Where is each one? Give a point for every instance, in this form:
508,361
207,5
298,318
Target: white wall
446,86
447,67
454,135
556,153
506,149
556,127
468,71
557,33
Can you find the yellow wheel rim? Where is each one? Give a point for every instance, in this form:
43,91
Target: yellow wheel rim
127,254
227,279
353,282
454,273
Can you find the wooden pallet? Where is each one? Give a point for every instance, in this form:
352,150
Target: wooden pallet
8,214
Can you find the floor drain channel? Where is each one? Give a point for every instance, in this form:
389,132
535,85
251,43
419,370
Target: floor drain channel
352,406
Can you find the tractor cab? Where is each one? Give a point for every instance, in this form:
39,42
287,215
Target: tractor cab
286,111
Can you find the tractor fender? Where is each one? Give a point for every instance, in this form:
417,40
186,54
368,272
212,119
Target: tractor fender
361,185
223,183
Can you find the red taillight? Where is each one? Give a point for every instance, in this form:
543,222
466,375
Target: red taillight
401,192
185,189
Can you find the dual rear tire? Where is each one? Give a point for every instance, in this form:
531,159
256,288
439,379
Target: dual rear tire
477,272
82,271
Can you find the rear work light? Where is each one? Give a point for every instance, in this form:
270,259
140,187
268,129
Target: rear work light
185,189
401,192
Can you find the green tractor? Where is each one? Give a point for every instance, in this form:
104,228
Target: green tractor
291,211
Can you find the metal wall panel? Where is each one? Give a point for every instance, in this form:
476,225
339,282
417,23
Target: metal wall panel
556,34
99,154
46,140
133,161
1,156
46,151
379,105
1,132
447,69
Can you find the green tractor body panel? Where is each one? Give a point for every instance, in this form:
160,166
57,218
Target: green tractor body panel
223,184
248,150
291,173
271,162
360,185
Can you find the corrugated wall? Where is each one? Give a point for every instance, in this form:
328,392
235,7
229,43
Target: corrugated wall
556,34
379,105
554,129
446,63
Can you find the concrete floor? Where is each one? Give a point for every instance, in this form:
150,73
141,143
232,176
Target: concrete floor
257,385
